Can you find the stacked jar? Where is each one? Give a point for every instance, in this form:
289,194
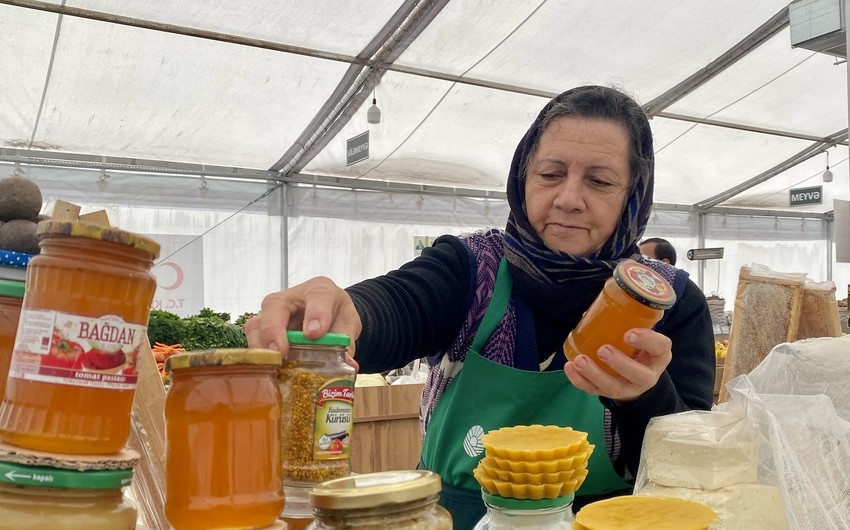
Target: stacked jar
34,497
72,375
83,320
317,388
223,440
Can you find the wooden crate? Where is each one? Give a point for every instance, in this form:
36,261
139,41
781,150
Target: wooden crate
386,428
718,378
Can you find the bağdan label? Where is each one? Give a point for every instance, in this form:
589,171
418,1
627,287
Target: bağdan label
67,349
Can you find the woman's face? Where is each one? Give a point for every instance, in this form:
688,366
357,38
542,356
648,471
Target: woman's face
577,182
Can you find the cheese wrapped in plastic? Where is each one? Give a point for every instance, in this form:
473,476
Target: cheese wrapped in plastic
738,507
700,449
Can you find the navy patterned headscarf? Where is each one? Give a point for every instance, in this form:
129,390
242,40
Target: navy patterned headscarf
549,276
541,270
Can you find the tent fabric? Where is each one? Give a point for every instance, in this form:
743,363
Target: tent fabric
238,258
84,86
221,127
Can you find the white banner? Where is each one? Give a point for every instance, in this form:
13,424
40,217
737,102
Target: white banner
179,274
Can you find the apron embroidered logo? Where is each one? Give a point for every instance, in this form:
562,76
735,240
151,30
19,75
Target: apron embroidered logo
472,443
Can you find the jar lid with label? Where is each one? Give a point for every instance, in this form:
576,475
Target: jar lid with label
644,284
328,339
49,477
102,233
12,289
375,489
223,357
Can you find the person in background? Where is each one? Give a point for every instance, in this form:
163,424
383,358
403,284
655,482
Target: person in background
658,248
490,310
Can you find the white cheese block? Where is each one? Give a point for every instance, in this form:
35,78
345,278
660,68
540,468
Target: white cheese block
700,449
738,507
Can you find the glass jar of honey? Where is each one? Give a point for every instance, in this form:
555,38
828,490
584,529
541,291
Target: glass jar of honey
222,414
634,297
36,497
401,500
85,312
11,297
317,388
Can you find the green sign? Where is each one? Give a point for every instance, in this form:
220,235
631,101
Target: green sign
801,196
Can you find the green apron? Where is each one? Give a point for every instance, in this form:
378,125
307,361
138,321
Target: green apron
486,395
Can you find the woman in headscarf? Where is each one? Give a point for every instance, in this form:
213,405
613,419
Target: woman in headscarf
491,310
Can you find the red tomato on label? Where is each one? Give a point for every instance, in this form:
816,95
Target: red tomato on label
63,353
104,360
336,446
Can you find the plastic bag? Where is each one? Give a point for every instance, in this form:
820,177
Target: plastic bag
794,405
808,367
414,372
700,450
710,457
800,398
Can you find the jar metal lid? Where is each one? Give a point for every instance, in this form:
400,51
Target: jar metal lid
223,357
644,284
526,504
102,233
328,339
375,489
51,477
12,289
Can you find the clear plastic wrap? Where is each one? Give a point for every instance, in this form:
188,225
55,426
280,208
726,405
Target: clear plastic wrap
794,406
700,450
806,368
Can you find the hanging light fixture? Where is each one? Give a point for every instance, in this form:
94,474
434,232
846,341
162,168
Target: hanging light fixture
827,175
102,180
204,188
373,115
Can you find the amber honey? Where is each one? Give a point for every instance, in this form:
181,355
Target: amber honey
11,296
297,523
635,297
83,320
223,440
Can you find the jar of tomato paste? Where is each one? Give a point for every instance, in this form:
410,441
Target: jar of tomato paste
634,297
11,296
84,318
222,416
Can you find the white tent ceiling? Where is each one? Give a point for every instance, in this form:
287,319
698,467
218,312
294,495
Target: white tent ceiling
272,89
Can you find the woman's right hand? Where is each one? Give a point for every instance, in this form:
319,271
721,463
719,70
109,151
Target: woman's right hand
316,307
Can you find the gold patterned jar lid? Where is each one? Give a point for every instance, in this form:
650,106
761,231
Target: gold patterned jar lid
223,357
644,284
375,489
102,233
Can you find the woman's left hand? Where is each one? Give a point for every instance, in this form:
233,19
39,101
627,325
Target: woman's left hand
637,374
